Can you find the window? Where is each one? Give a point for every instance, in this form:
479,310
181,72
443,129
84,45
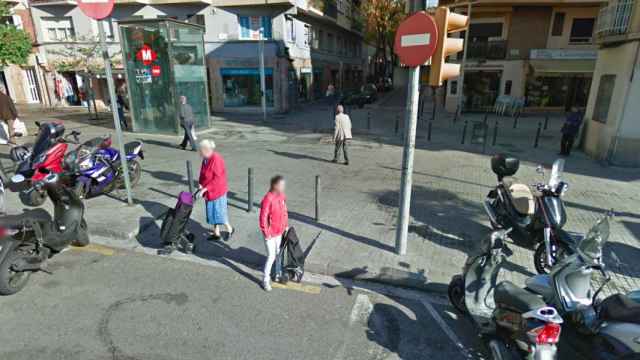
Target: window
484,31
291,30
605,92
558,24
582,30
242,86
330,44
251,26
308,37
196,19
321,40
58,28
507,87
454,87
316,40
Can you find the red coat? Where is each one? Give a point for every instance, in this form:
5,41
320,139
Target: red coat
213,177
274,218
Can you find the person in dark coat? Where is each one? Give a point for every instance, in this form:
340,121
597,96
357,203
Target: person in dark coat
8,113
186,122
570,130
122,105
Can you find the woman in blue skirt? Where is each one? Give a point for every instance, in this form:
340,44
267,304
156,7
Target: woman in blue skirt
214,188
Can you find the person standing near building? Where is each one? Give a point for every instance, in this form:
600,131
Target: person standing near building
341,134
570,130
214,188
274,221
187,123
8,114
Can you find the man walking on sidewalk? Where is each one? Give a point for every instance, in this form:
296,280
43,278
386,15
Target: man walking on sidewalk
341,134
187,122
570,130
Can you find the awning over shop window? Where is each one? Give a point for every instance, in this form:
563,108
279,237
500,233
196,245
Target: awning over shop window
563,66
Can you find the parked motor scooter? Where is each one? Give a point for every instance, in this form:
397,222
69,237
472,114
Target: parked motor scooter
518,324
536,212
28,241
596,329
46,156
97,169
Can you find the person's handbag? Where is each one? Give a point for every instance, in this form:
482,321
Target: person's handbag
193,132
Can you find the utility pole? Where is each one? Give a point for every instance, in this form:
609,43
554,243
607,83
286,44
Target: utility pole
114,109
464,63
406,182
263,83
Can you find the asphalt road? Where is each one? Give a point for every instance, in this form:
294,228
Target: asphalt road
106,304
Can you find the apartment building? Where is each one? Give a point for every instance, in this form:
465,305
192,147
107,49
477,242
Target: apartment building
308,44
612,125
23,83
540,52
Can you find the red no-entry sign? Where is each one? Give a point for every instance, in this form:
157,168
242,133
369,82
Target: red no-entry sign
416,39
96,9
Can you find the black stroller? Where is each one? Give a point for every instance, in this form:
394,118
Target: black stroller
291,257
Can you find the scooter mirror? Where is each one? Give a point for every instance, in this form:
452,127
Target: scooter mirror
17,179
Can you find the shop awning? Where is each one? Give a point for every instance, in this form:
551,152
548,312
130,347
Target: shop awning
563,66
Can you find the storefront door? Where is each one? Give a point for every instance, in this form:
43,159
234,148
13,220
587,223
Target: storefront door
481,89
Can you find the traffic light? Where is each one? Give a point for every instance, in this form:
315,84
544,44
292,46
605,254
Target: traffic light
446,22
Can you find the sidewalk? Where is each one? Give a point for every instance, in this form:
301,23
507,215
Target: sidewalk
355,236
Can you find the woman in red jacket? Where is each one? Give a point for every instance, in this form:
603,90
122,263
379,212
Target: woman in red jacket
274,221
213,185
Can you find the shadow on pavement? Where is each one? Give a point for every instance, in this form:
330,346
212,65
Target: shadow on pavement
299,156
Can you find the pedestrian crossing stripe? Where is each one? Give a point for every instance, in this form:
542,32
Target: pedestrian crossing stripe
309,289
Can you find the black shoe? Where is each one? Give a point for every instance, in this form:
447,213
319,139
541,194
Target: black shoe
180,147
213,237
167,250
346,163
230,235
334,161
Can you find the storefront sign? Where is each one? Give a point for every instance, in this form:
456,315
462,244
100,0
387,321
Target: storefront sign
143,76
245,71
563,54
146,55
305,70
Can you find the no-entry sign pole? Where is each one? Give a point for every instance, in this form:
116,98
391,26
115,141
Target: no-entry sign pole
98,10
406,182
114,109
415,43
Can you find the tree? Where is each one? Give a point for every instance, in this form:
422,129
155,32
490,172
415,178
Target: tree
382,18
15,44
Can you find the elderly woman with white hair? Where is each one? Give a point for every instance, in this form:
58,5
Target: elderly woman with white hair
214,188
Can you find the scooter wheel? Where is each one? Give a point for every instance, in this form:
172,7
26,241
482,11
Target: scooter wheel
83,235
540,258
456,294
10,281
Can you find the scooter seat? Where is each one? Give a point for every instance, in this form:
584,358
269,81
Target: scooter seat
619,307
509,296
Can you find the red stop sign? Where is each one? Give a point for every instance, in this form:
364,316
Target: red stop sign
416,39
96,9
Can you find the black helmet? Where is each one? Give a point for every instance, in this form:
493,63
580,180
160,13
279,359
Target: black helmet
19,154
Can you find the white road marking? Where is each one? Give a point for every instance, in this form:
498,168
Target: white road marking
415,40
446,329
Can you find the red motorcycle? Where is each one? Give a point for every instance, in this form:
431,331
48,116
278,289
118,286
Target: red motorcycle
45,158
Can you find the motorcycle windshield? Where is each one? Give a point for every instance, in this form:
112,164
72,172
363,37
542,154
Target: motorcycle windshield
591,246
43,143
556,173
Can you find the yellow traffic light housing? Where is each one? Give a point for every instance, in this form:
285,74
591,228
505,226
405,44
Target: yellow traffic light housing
447,22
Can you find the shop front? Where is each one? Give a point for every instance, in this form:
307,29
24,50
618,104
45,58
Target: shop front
557,90
481,89
242,87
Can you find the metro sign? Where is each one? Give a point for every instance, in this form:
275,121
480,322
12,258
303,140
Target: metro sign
96,9
416,39
146,55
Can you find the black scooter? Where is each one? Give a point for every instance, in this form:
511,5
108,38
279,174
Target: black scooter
536,213
27,241
516,323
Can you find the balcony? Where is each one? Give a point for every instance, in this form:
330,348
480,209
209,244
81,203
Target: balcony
326,7
614,18
486,50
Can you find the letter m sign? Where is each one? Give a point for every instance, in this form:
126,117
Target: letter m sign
146,55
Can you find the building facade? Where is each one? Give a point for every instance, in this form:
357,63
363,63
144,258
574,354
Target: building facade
612,126
307,46
539,53
23,83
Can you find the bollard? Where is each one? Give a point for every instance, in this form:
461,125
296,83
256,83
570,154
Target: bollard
486,116
429,131
433,112
250,190
369,120
464,131
397,124
495,134
546,121
455,116
317,198
190,176
535,144
515,120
